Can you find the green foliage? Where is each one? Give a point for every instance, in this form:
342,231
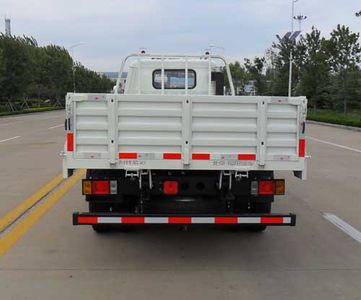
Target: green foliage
239,75
314,81
353,119
90,81
344,56
16,66
327,71
280,65
30,71
255,71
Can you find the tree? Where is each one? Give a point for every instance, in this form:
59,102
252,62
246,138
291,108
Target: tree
89,81
27,70
57,66
344,55
255,71
314,69
281,59
16,67
239,76
2,70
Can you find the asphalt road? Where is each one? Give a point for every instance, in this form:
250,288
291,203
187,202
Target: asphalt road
54,260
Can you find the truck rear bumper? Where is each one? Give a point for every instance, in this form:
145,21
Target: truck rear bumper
139,219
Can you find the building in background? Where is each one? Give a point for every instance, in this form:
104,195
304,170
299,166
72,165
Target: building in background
7,26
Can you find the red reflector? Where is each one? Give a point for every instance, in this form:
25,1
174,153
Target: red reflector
301,148
246,156
126,155
271,220
133,220
172,156
87,220
266,187
179,220
100,187
70,141
170,187
201,156
225,220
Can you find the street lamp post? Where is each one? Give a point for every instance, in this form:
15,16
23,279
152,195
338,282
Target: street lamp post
291,54
300,18
71,48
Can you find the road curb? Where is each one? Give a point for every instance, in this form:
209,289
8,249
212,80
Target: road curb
21,113
334,125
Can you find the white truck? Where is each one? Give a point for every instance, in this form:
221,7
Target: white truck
169,146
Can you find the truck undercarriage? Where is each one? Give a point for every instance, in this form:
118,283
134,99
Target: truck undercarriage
181,197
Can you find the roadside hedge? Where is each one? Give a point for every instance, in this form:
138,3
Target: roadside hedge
352,119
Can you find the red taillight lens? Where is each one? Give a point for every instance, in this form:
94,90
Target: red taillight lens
101,187
266,187
302,148
70,142
170,187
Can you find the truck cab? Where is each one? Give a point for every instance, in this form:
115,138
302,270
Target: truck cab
145,77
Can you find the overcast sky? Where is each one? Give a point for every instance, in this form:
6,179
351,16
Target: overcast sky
110,29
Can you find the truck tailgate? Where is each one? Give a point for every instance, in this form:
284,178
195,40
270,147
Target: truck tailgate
133,132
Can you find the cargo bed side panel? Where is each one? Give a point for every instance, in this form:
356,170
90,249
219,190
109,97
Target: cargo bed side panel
186,132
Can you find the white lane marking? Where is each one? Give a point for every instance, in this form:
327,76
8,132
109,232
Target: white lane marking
333,144
345,227
9,139
56,126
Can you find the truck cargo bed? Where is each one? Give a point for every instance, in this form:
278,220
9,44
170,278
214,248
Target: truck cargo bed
185,132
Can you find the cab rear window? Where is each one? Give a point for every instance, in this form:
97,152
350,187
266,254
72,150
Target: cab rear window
174,79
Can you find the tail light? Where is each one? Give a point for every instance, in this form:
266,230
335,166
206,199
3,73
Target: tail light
302,148
268,187
70,142
87,187
170,187
99,187
280,187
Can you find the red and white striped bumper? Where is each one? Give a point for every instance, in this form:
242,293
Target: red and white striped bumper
115,218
